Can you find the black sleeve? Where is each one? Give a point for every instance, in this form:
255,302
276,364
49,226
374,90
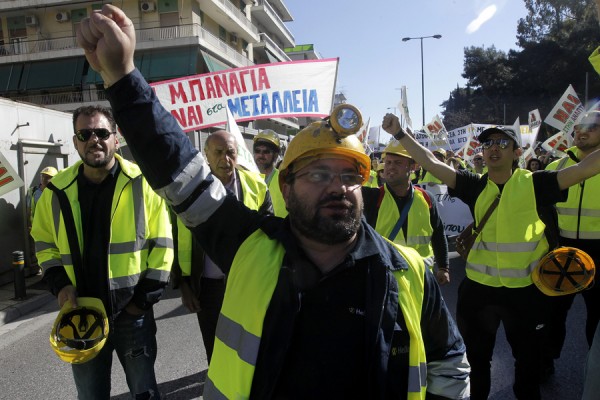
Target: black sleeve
266,208
56,278
468,187
439,243
547,191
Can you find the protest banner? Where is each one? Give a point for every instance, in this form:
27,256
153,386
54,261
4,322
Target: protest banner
565,114
455,214
403,107
277,90
9,179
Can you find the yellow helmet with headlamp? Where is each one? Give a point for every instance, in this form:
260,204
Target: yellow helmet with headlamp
333,137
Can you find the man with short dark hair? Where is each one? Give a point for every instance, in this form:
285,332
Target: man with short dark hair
102,232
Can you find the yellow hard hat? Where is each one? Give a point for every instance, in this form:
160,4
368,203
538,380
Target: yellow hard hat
395,147
268,135
564,271
440,151
78,334
334,137
50,171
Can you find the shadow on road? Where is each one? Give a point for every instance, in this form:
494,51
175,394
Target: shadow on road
185,388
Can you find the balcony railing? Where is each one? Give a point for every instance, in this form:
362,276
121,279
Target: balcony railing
21,46
275,17
241,17
92,95
274,47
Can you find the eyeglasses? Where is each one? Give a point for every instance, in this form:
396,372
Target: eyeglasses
348,179
502,143
83,135
586,127
478,159
266,151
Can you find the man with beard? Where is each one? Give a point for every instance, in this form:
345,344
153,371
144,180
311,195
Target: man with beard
102,232
267,147
201,281
317,305
579,227
406,214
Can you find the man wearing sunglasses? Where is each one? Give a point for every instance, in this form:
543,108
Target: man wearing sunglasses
103,206
498,286
579,225
318,305
267,147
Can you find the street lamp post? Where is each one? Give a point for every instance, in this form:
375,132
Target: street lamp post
406,39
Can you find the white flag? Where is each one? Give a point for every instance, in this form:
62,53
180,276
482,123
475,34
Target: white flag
245,158
403,107
566,113
535,122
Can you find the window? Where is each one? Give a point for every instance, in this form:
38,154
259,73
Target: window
222,33
167,6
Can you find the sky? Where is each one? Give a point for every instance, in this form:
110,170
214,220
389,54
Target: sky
375,62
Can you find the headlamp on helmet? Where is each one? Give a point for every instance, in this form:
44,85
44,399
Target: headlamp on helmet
333,137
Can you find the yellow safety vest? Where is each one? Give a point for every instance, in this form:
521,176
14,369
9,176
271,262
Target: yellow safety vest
579,216
372,181
254,191
276,197
429,178
247,297
513,239
595,59
419,229
141,244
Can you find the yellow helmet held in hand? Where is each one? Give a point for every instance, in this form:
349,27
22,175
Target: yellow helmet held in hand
395,147
333,137
564,271
269,136
78,334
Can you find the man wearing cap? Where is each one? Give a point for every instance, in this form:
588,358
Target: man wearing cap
406,214
579,225
498,286
317,305
266,148
201,280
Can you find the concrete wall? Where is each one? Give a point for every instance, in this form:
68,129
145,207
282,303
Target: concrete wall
27,122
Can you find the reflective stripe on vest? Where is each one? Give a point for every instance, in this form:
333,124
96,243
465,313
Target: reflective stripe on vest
254,191
513,239
579,216
419,229
247,298
129,256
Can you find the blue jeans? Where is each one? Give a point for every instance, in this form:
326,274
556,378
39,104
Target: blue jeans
591,382
134,340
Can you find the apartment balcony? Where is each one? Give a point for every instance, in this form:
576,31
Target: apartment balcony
272,51
230,17
266,15
154,38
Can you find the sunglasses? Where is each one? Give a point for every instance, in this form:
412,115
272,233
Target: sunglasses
325,178
83,135
478,159
502,143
